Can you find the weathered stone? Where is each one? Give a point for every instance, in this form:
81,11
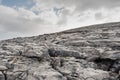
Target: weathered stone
91,74
2,76
111,55
3,68
45,72
87,53
36,51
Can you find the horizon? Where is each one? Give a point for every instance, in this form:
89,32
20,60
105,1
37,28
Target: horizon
63,30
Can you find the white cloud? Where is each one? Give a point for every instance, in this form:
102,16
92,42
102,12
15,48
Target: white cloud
26,22
79,4
94,11
55,15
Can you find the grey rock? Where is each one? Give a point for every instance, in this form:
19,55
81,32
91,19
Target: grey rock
62,52
3,68
91,74
34,50
111,55
86,53
2,76
45,72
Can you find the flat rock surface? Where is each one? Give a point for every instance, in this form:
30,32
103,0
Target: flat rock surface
86,53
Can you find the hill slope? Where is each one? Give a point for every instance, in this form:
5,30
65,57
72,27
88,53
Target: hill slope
87,53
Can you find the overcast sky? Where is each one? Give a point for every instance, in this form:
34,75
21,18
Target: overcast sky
34,17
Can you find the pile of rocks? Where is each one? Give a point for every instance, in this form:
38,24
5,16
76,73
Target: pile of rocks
87,53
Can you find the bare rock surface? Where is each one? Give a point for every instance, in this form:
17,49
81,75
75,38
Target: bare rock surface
2,76
86,53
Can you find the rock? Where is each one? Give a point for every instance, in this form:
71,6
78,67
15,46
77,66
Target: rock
115,67
111,55
36,51
2,76
3,68
69,67
45,72
19,75
91,74
62,52
86,53
10,76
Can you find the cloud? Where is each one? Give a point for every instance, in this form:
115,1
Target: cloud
20,20
71,9
47,16
78,4
26,22
15,20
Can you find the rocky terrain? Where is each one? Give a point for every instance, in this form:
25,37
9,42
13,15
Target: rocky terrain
86,53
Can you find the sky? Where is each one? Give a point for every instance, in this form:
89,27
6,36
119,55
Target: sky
20,18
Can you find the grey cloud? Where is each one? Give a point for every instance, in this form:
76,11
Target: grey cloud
95,4
12,20
25,22
64,15
77,7
99,15
58,10
92,4
62,21
49,15
82,4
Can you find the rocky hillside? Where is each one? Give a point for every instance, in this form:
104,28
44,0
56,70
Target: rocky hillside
87,53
